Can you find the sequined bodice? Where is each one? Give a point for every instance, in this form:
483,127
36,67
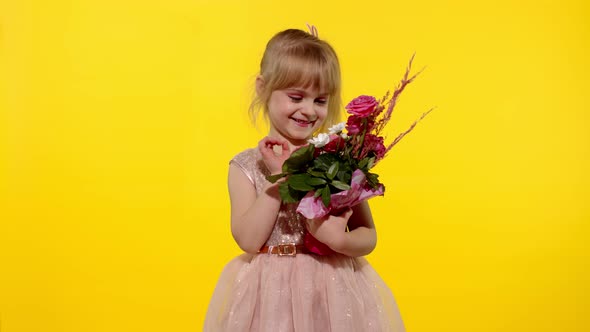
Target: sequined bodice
290,226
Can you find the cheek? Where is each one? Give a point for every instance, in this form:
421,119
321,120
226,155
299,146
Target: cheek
322,114
321,119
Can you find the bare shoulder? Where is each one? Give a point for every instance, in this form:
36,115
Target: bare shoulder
240,181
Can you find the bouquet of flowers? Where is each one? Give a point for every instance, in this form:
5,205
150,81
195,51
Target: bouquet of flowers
334,171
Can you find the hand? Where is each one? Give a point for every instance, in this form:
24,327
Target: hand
272,159
330,229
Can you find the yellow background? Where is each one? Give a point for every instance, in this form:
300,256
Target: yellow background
118,118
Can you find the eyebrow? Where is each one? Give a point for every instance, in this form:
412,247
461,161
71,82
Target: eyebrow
304,92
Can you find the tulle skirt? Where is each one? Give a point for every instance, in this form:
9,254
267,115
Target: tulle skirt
304,293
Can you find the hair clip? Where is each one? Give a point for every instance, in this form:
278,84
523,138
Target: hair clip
312,30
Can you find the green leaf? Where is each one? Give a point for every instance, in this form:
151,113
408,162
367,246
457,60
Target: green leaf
371,163
286,193
326,196
343,176
316,173
324,161
345,166
372,179
299,182
340,185
318,193
289,194
363,163
299,159
315,181
275,178
332,171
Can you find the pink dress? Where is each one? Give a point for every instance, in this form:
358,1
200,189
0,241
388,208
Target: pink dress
302,293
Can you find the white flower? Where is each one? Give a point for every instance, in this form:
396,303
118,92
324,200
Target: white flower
337,128
343,135
321,140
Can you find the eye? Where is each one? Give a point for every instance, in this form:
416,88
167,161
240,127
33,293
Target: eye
321,101
295,98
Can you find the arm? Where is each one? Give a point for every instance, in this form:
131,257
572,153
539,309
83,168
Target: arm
252,217
359,241
362,237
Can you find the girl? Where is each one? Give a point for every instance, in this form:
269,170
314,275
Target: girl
278,285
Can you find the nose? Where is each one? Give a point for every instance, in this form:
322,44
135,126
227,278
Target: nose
307,109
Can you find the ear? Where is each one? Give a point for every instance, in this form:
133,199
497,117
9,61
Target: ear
259,85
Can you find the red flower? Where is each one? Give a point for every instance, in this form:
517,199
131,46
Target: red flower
354,124
373,144
336,143
362,106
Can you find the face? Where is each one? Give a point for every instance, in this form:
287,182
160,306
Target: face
296,113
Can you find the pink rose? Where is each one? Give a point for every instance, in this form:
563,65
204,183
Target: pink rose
362,106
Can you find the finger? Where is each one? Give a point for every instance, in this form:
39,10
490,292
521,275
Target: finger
339,212
347,213
283,144
263,148
266,151
273,141
263,142
286,149
267,142
310,225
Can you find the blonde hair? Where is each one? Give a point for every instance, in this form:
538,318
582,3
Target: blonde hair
297,58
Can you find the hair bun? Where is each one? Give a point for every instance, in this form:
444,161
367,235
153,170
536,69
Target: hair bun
312,30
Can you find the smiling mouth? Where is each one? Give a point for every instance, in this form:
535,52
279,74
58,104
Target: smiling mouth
303,122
